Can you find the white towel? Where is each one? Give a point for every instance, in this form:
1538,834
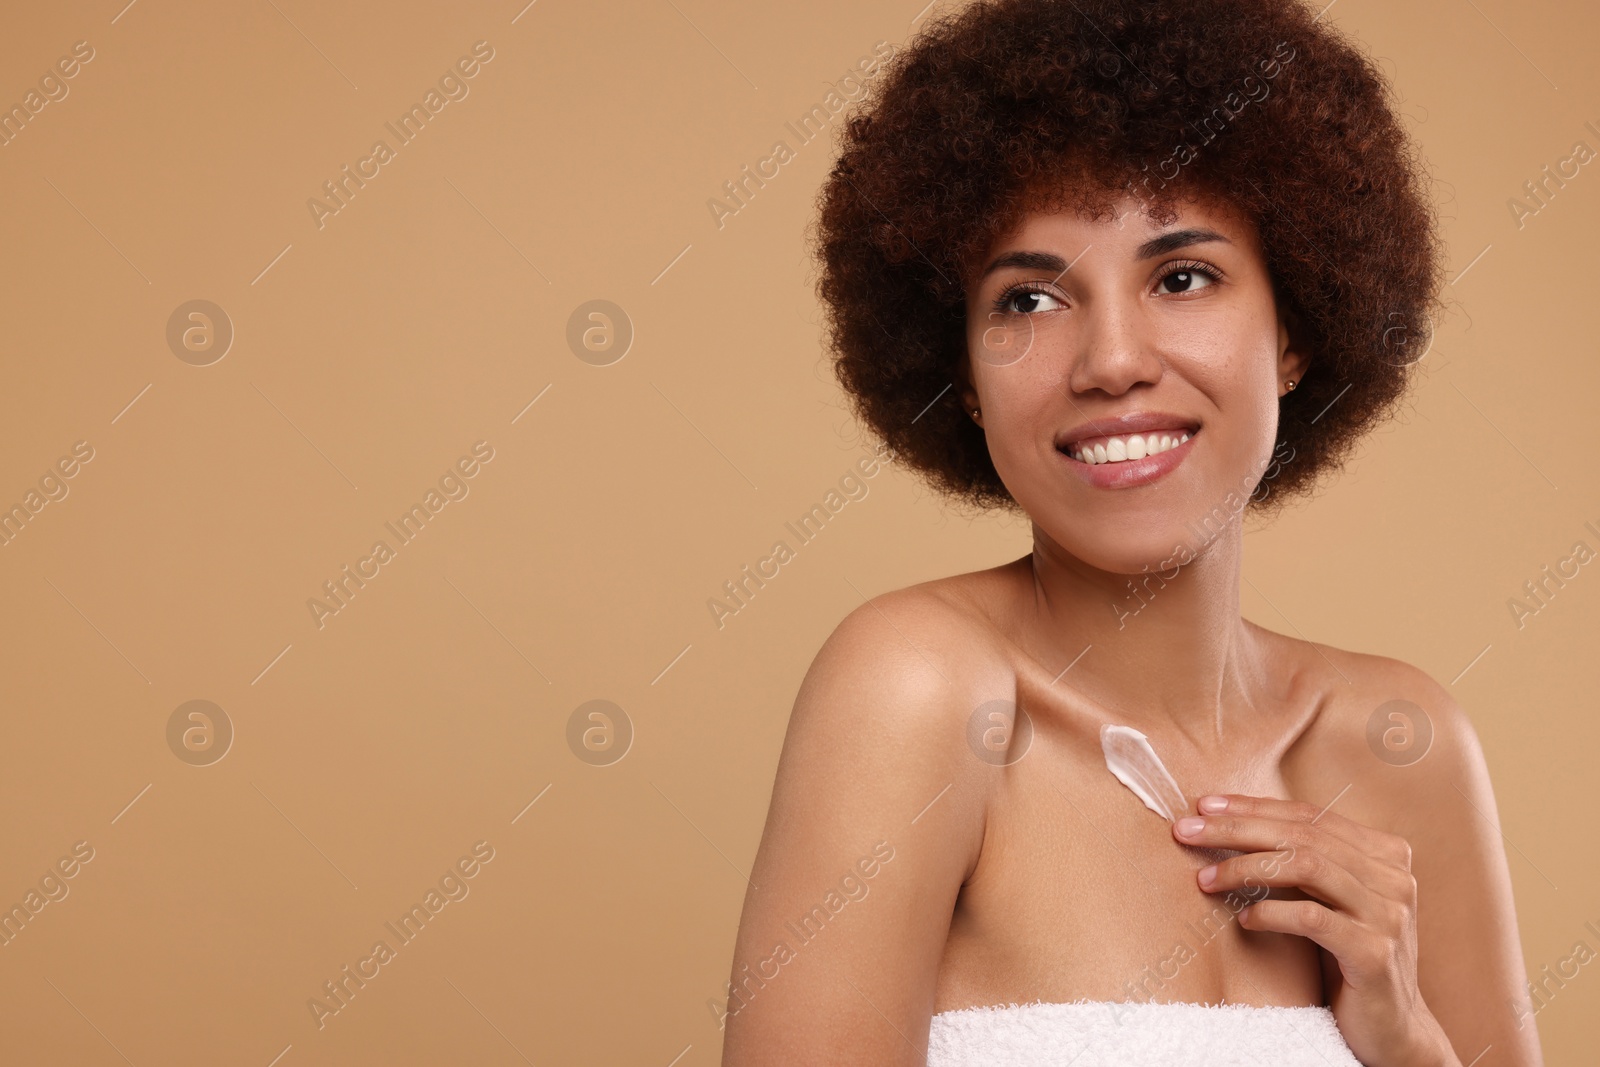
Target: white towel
1129,1034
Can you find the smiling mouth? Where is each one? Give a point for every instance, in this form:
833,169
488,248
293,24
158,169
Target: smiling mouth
1123,447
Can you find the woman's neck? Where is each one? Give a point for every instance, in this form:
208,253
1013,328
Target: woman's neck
1166,647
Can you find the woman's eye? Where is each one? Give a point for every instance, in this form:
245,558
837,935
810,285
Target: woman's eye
1027,302
1185,281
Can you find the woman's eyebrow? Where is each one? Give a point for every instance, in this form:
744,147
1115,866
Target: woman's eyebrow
1171,242
1156,246
1027,261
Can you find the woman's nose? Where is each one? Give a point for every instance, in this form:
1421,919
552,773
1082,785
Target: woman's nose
1114,350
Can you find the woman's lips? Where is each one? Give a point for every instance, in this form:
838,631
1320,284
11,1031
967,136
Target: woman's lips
1127,473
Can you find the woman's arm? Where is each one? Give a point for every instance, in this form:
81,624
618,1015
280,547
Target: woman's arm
1470,965
875,821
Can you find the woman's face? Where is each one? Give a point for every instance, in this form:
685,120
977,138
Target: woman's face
1171,329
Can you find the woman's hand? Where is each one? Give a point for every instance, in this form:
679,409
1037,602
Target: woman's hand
1364,914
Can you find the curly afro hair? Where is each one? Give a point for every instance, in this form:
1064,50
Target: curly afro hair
1008,106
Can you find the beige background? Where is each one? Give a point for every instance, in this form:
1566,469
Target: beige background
373,752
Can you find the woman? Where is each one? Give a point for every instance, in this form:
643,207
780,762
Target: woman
1130,269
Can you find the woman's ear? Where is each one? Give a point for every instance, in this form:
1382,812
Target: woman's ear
1294,354
964,389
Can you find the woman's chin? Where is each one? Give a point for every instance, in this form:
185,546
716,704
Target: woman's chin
1149,555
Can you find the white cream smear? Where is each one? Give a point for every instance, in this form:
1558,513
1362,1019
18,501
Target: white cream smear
1136,765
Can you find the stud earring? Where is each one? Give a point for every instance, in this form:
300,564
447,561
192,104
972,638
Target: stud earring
974,412
1290,385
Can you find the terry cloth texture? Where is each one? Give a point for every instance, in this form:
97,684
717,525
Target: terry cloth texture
1130,1034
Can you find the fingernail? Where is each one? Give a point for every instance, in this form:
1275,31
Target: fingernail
1208,876
1213,804
1188,827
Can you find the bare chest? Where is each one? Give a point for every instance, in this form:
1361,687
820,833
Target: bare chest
1081,892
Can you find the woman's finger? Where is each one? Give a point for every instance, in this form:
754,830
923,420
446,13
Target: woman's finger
1260,834
1256,834
1361,953
1385,847
1304,869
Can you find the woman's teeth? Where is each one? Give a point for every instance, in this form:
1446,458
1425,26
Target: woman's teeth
1128,446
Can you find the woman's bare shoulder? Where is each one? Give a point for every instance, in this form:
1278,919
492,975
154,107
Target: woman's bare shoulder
1391,737
934,634
887,699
